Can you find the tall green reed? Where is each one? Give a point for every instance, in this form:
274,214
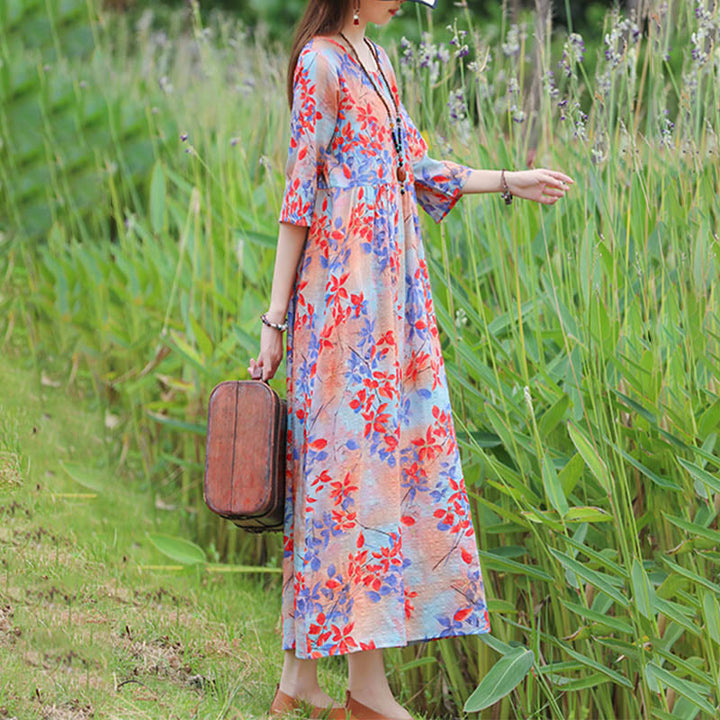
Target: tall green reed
575,354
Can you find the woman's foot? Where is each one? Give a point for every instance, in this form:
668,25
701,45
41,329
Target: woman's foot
311,694
299,682
384,704
283,705
368,685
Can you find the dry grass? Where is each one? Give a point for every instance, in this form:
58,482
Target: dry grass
9,469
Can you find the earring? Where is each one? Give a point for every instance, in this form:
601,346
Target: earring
356,16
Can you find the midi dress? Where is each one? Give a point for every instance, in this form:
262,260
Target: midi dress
379,545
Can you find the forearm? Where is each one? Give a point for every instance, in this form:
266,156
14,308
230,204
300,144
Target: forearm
291,240
484,181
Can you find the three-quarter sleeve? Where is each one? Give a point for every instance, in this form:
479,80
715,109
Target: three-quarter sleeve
312,124
438,183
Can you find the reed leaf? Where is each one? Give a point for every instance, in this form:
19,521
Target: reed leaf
701,475
598,667
601,581
643,591
553,487
591,457
177,548
501,679
691,691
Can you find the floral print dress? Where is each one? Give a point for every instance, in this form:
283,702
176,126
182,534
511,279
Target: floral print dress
379,545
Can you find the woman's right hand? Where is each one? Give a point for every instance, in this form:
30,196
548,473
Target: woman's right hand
271,353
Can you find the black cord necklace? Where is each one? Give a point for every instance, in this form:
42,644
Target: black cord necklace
397,139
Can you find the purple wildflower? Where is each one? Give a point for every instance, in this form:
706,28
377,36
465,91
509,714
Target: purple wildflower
408,55
573,53
456,103
550,87
562,104
512,44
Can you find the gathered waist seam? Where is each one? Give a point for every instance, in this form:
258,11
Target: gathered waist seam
362,185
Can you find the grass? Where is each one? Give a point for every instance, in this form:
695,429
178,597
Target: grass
88,628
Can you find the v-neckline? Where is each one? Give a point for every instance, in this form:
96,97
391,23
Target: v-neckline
377,76
375,71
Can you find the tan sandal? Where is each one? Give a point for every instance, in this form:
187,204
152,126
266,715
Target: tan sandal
283,704
358,711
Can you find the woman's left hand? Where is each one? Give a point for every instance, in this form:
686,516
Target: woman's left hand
541,185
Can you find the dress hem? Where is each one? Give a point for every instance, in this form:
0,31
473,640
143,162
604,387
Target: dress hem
415,641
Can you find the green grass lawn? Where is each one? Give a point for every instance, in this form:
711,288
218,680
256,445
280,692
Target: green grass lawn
86,629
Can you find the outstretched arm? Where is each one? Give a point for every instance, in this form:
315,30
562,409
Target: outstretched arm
541,185
440,183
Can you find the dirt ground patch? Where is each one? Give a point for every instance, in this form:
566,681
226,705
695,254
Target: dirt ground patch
70,710
10,470
9,634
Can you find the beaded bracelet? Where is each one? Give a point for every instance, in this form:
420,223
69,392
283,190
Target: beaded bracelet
507,196
278,326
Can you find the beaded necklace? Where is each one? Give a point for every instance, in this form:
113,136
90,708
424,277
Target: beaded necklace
397,139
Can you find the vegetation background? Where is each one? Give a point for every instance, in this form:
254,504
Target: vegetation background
142,151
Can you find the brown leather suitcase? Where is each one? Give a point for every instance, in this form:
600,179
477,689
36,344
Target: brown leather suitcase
245,454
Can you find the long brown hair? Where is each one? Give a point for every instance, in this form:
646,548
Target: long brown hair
321,17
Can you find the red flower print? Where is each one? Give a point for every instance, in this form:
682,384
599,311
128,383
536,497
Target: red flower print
357,300
336,289
316,627
343,520
387,338
324,337
332,583
343,639
391,442
356,565
341,490
428,447
319,481
409,607
416,364
436,380
365,115
376,419
389,555
358,400
448,518
416,473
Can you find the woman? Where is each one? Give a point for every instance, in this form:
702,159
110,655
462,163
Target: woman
380,549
